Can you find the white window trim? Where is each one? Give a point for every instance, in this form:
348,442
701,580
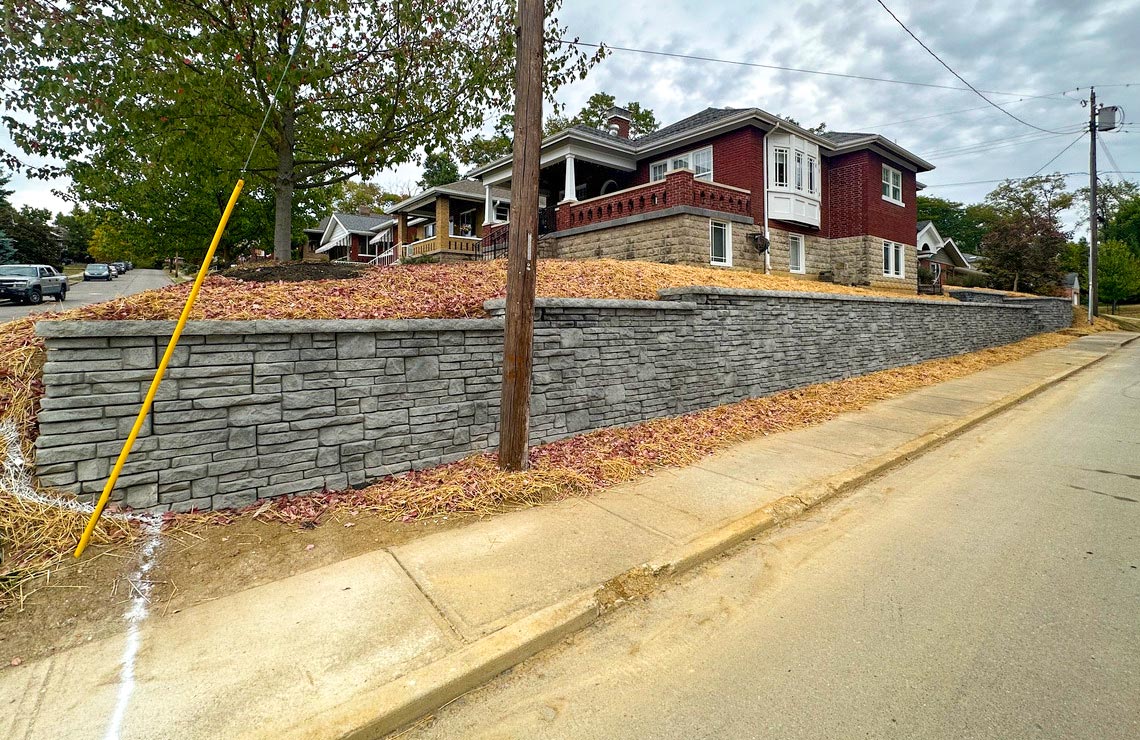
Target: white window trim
727,243
813,176
688,157
792,239
895,264
776,152
890,184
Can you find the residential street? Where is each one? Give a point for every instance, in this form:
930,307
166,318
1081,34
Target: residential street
989,589
83,293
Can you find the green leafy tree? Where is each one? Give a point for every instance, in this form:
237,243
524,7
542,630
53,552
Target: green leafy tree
33,238
817,129
964,224
351,196
1124,225
596,111
439,169
135,89
1117,273
77,228
1111,196
1075,258
1023,245
480,149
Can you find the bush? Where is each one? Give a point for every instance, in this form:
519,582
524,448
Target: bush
966,280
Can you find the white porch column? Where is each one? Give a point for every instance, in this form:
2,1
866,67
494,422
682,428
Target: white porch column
571,183
488,207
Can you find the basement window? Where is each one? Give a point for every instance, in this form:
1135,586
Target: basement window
894,260
720,242
796,253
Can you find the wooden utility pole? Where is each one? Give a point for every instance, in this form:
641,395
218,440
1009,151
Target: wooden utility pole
1094,309
518,349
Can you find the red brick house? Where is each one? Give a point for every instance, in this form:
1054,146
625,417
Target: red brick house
729,187
356,237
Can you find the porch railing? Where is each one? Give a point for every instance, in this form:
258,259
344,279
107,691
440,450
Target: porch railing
679,188
441,243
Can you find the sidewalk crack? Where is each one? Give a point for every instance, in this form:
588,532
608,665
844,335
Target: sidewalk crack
441,616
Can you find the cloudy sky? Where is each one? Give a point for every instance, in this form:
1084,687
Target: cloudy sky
1027,48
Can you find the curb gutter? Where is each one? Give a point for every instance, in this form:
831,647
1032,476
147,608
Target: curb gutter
382,710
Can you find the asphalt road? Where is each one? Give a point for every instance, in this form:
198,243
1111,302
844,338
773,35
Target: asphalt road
989,589
83,293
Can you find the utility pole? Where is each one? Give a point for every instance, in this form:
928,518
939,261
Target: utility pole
1093,215
518,348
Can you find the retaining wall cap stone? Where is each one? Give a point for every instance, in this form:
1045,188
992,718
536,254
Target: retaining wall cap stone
499,304
747,293
261,326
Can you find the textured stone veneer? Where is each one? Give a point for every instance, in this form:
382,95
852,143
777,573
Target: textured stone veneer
264,408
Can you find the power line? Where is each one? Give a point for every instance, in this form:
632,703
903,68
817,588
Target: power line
984,145
956,112
1018,179
960,77
1108,153
695,57
1058,154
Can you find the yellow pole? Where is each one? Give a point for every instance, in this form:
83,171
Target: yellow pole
149,400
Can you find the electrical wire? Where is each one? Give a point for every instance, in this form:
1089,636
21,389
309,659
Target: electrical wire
280,81
1058,155
956,112
1018,179
800,70
950,69
1108,153
983,145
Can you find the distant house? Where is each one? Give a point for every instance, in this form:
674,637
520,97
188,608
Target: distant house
946,263
313,236
728,187
448,222
1071,287
351,237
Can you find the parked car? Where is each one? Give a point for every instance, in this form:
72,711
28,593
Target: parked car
130,265
97,271
114,270
121,267
32,283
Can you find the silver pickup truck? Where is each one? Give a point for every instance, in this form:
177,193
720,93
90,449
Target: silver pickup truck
32,283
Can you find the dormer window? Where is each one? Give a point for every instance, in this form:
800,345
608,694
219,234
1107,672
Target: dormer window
892,185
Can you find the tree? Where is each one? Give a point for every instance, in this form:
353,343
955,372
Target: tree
480,149
1024,243
439,169
351,196
1110,197
77,229
1117,273
1124,225
597,108
964,224
818,129
128,88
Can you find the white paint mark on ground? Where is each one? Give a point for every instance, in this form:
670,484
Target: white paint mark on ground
141,587
15,479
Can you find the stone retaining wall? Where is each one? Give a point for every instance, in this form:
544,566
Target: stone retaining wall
257,409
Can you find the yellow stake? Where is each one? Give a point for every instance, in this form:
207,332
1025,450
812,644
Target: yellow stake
149,400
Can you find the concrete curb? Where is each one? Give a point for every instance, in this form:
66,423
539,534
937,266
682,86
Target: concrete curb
390,707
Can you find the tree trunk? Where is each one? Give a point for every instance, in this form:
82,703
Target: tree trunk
1015,276
283,201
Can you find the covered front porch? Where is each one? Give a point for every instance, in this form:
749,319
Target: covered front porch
445,222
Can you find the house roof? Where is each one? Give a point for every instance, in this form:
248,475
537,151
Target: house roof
319,228
1071,280
470,189
923,224
696,121
712,121
359,224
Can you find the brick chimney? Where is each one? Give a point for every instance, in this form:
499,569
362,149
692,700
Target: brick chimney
617,121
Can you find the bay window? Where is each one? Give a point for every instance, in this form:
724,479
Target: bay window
780,179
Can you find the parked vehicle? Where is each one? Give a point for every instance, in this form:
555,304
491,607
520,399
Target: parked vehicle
130,265
97,271
114,270
121,267
31,283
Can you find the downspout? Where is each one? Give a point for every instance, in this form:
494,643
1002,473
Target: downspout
767,237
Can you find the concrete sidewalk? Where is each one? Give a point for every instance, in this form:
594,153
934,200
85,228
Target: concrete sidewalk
360,647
